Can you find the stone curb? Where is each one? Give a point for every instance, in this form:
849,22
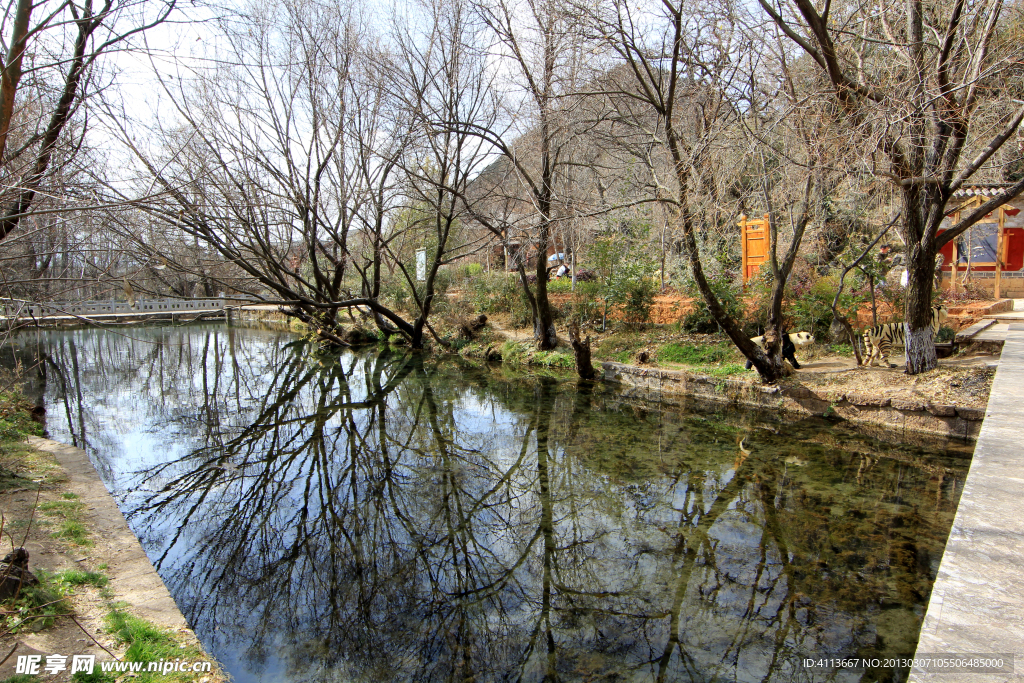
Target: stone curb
150,597
891,413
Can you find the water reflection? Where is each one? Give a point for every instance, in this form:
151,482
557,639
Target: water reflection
386,516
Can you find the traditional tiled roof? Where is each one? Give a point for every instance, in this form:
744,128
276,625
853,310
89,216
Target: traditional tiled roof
979,190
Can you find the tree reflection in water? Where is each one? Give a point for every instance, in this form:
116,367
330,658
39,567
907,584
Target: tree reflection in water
388,516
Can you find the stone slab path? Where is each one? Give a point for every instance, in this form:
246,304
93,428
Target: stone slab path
977,602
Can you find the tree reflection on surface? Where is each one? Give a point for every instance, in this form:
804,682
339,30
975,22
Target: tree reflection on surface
389,516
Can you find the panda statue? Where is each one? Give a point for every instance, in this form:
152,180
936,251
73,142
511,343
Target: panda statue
789,344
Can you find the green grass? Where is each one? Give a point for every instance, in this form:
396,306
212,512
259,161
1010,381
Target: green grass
620,347
146,643
553,359
62,508
623,356
96,676
80,577
841,349
516,353
723,370
69,527
73,531
524,353
691,354
16,417
20,678
36,607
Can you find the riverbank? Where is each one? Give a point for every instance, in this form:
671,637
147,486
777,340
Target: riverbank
99,595
949,401
901,409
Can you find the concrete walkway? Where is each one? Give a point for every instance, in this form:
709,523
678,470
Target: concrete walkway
129,568
977,602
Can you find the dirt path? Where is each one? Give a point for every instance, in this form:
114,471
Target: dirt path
114,552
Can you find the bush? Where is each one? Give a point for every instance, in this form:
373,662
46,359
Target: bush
811,307
37,606
16,417
562,285
638,290
585,306
759,295
499,292
699,319
812,311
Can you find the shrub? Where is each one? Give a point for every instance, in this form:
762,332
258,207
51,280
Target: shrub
966,291
624,281
16,417
810,296
499,292
37,606
699,319
759,297
585,305
560,285
638,290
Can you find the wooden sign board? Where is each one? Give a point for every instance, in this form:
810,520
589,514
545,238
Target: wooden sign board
756,240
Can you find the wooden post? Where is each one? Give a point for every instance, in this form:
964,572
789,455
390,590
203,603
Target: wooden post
999,250
956,257
743,245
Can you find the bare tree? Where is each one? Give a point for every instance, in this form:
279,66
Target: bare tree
694,85
283,159
441,79
542,49
50,51
912,79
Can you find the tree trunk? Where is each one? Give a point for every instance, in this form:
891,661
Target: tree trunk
543,321
918,313
773,350
581,349
920,350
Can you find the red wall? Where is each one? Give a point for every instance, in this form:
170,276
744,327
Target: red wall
1014,252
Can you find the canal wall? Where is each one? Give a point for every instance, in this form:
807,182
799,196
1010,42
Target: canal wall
262,316
977,601
131,574
894,414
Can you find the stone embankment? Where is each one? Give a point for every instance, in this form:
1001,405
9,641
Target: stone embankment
977,601
900,414
260,315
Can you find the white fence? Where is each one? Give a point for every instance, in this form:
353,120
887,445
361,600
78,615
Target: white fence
85,309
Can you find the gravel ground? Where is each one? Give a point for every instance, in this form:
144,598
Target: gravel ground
950,384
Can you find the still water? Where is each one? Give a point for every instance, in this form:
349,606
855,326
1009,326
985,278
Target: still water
382,516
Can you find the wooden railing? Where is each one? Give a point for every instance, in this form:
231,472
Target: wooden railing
85,309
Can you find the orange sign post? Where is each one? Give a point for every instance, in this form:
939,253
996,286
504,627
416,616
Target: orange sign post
756,241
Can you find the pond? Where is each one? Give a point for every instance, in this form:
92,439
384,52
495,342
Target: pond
387,516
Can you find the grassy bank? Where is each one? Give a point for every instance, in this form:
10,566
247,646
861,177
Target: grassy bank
37,511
